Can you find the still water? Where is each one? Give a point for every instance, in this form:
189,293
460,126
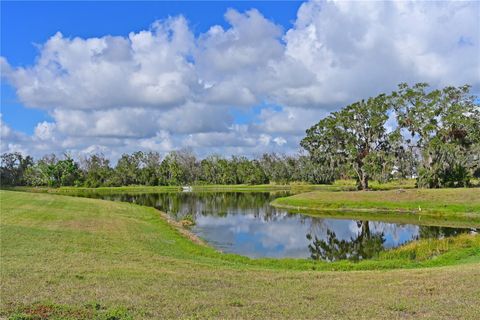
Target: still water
245,224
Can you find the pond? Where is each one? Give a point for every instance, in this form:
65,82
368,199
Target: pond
244,223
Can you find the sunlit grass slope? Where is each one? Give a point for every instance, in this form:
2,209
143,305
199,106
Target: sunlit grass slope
455,207
65,257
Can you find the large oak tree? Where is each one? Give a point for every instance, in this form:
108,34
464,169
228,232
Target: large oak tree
354,138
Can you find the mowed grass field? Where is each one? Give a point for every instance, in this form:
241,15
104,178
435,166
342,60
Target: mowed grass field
64,257
448,207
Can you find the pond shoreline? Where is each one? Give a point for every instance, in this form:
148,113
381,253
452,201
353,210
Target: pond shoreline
384,215
184,231
197,234
451,207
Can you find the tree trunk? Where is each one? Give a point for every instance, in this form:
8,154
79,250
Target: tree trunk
363,181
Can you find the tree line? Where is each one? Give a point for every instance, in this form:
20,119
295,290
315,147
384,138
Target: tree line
149,168
414,132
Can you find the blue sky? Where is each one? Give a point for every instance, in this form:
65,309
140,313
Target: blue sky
26,24
217,77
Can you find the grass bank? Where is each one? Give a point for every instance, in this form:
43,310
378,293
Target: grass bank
65,257
100,190
351,185
196,188
339,185
448,207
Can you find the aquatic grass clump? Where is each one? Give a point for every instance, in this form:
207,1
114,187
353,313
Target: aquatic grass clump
188,220
425,249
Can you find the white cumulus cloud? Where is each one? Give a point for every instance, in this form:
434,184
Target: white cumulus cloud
164,88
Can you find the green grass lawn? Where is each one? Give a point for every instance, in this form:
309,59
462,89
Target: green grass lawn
448,207
351,184
65,257
339,185
297,188
100,190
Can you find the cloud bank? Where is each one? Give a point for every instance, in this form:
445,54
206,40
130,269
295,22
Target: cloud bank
164,88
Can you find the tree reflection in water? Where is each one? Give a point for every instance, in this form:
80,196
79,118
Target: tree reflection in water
181,204
366,245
